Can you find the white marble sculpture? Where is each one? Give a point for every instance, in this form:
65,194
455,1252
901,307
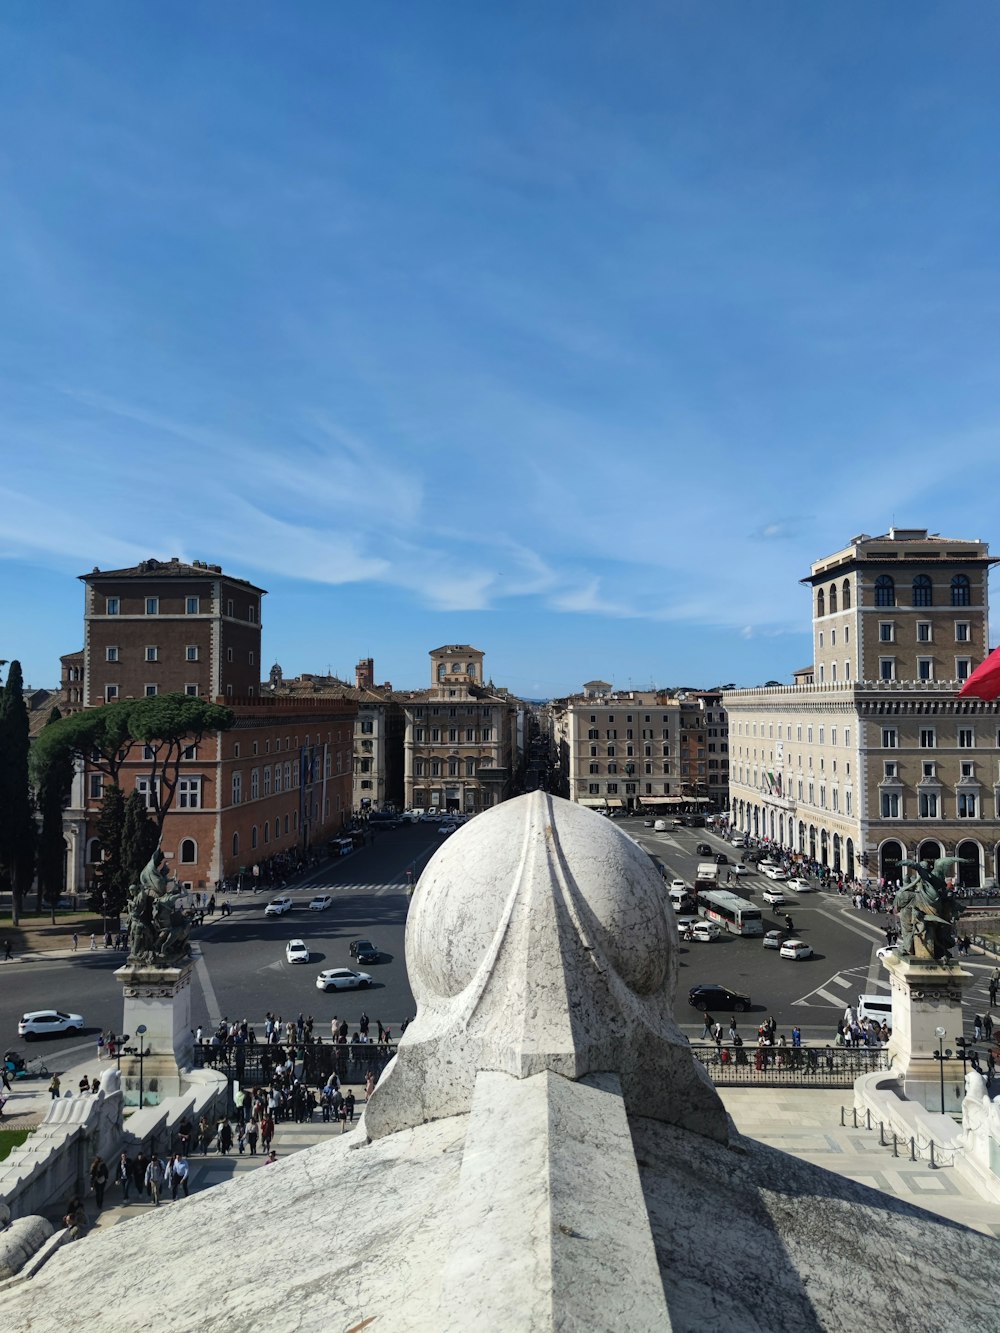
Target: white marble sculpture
540,939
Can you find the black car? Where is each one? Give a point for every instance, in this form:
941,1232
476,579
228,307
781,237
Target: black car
722,859
365,952
703,849
713,996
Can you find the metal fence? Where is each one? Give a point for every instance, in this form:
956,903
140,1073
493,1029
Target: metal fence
253,1065
791,1066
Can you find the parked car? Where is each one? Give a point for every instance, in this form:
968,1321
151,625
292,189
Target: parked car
365,952
710,995
296,952
774,939
43,1022
321,902
704,932
342,978
795,949
278,907
798,885
774,896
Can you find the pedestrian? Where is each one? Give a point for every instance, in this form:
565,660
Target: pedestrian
272,1156
54,1087
98,1179
349,1106
225,1136
93,941
988,1026
977,1028
84,1086
253,1133
7,955
177,1176
123,1175
100,1046
154,1178
369,1085
76,941
75,1219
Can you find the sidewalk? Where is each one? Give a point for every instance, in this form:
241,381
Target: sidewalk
806,1124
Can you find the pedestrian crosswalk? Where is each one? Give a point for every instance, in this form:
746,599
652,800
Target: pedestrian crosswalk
843,988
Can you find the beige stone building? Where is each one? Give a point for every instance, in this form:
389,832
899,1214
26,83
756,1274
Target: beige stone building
463,736
871,758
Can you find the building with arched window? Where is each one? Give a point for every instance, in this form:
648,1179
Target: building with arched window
871,758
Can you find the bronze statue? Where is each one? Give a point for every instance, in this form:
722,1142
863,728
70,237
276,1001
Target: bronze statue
928,909
158,929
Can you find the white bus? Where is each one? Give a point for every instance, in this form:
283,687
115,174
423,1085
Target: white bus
731,912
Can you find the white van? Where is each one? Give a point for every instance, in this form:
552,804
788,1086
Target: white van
877,1007
678,897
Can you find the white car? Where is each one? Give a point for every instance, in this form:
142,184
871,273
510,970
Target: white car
321,902
774,896
800,886
887,951
679,884
296,952
342,978
774,872
739,841
446,827
40,1022
774,939
704,932
278,907
795,949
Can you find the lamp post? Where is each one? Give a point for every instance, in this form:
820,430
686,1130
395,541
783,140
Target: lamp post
104,910
141,1030
939,1033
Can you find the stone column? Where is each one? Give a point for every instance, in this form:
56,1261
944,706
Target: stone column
159,998
926,996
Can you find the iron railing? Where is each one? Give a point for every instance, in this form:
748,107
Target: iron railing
791,1066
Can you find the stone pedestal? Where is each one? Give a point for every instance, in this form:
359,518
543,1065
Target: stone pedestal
927,995
160,998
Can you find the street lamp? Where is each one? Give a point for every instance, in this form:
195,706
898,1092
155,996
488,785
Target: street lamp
939,1056
104,910
141,1030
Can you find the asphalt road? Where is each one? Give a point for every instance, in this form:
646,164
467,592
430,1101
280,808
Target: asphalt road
242,972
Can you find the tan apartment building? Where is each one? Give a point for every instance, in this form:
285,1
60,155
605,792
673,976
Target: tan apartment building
871,758
461,748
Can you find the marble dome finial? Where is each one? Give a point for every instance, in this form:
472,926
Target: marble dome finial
540,938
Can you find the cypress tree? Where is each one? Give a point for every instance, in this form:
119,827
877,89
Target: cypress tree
17,823
53,786
109,893
139,840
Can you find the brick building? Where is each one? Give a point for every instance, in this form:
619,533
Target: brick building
278,781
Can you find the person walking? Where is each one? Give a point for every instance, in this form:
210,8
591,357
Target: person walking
76,941
154,1179
93,941
7,955
994,986
124,1175
253,1133
98,1179
54,1087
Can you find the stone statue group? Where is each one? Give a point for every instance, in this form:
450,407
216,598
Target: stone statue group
158,929
928,909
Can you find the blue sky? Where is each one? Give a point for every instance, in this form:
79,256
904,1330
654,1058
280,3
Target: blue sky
573,331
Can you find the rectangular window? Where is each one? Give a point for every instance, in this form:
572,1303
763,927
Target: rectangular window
110,693
925,668
961,631
192,690
113,606
111,654
254,783
152,606
890,805
191,653
966,740
967,767
928,739
929,768
189,794
151,654
968,805
95,786
886,631
470,768
192,605
891,768
963,668
928,805
237,788
889,738
923,631
887,668
229,606
150,691
419,769
147,789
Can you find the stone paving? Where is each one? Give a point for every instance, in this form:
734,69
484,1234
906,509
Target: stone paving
806,1124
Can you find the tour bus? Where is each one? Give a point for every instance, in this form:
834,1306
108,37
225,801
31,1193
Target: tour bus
731,912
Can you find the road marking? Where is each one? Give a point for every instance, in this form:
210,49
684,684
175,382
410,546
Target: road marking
207,989
839,980
835,1000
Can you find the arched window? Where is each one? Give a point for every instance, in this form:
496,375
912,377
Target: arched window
267,831
189,852
236,844
960,592
923,591
885,591
93,851
821,603
253,836
846,595
833,598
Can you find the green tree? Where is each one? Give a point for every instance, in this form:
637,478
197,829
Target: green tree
54,784
17,822
139,839
110,890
